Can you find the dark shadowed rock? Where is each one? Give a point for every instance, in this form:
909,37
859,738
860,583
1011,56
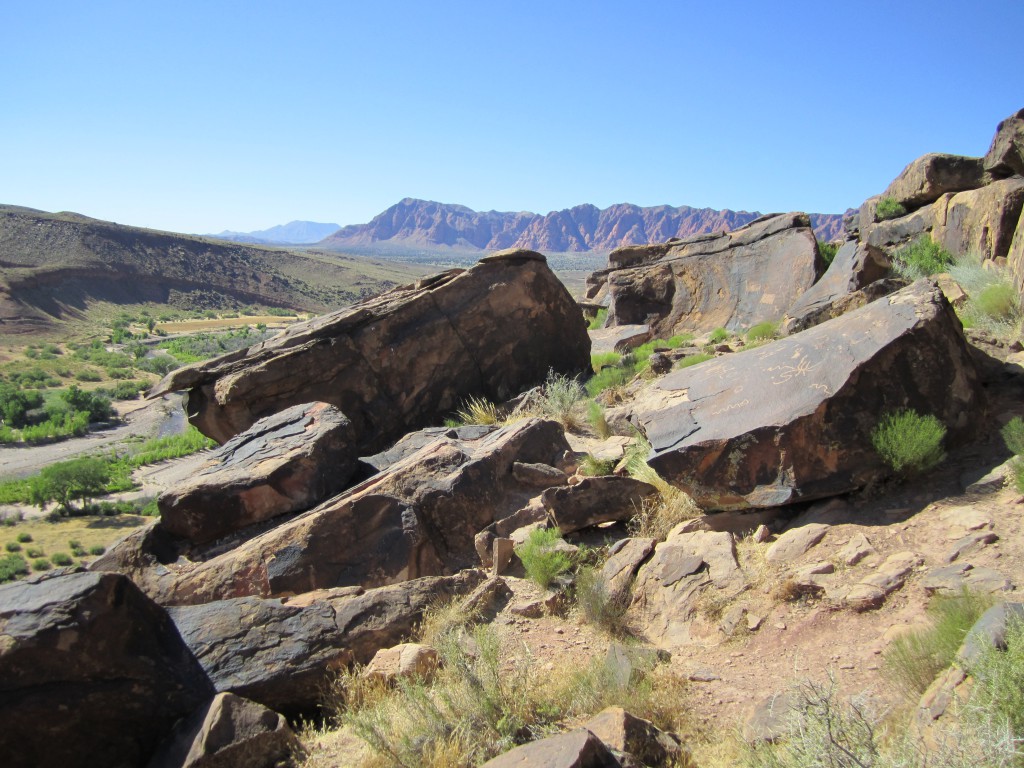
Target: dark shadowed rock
229,732
640,738
405,359
989,631
575,749
595,500
624,559
280,654
92,672
933,175
792,420
982,221
854,266
732,280
419,518
414,441
1005,157
283,463
618,338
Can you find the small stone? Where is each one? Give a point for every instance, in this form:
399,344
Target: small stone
754,622
761,534
779,625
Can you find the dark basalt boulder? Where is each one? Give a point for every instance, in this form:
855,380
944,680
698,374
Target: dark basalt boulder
731,280
402,360
596,500
417,518
1005,156
929,177
280,654
792,421
283,463
92,672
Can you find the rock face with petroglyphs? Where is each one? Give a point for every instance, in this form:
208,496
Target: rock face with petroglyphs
731,280
792,421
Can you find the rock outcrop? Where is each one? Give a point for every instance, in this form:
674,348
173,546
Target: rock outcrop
91,672
731,280
933,175
1005,156
418,518
717,434
405,359
283,463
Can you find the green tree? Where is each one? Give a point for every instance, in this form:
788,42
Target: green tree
97,406
15,404
69,481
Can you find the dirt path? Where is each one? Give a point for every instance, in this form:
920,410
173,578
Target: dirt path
144,419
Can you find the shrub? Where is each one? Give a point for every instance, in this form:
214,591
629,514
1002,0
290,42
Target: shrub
598,320
686,362
908,442
477,410
1017,474
596,605
88,375
541,560
607,378
889,208
593,467
1013,435
16,402
97,550
96,405
561,397
762,331
999,681
12,546
603,360
828,251
914,660
41,564
61,558
11,567
718,335
34,552
595,416
922,258
998,301
24,538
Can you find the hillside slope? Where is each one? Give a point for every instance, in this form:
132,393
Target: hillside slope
425,224
292,233
54,265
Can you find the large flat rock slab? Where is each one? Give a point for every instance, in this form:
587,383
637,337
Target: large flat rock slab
283,463
731,280
792,421
405,359
926,179
92,672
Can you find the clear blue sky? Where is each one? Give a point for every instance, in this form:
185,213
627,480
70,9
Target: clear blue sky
203,116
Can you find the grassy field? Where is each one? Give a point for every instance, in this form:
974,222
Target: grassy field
55,538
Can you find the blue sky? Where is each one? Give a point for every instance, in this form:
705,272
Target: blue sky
203,116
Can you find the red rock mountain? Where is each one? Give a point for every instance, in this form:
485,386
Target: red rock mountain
424,224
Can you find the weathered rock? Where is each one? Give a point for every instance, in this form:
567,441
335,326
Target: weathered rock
795,542
279,654
575,749
596,500
618,338
792,421
404,359
770,719
871,592
412,661
982,221
487,599
415,441
229,732
855,266
989,631
534,512
856,549
953,579
933,175
624,559
538,475
969,544
417,519
624,732
731,280
668,584
92,672
283,463
501,555
1005,156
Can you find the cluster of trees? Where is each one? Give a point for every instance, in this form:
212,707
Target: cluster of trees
26,415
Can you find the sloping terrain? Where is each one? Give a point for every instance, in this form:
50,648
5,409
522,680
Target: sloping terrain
54,265
424,224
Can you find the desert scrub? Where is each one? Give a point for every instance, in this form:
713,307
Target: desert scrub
661,513
603,360
914,660
1013,435
596,419
562,399
476,410
598,320
541,558
998,694
889,208
12,566
909,442
690,360
922,258
762,331
828,251
594,467
597,606
718,335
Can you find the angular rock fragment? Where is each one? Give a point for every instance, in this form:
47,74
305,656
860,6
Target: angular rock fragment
792,421
731,280
640,738
283,463
91,670
870,592
596,500
411,661
795,542
953,579
575,749
624,559
279,654
229,732
402,360
1005,156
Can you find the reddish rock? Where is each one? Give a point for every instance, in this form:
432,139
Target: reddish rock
596,500
575,749
1005,157
933,175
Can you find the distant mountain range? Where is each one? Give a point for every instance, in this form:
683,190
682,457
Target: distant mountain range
292,233
424,225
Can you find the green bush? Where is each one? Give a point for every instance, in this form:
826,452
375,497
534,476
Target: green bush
12,546
999,301
595,416
24,538
1013,435
999,681
41,564
598,320
828,251
596,605
34,552
541,561
61,558
718,335
593,467
701,357
97,550
889,208
603,360
16,402
561,397
762,331
68,481
908,442
88,375
922,258
914,660
1017,474
607,378
11,567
